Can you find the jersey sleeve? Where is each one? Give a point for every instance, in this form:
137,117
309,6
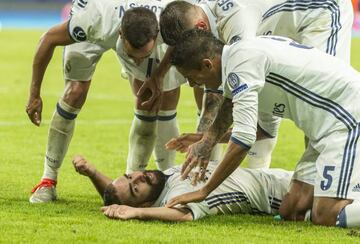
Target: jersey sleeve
244,80
238,19
85,22
198,209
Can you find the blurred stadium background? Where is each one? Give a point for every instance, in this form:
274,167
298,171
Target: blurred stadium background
35,14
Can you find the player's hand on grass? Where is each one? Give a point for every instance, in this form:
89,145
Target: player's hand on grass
195,196
150,93
34,109
182,143
120,212
83,167
197,160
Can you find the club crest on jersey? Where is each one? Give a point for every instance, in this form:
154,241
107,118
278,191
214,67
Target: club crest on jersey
79,34
233,80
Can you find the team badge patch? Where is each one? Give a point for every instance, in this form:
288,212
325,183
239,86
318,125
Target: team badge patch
233,80
79,34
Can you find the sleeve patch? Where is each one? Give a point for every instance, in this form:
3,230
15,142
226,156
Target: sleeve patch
79,34
233,80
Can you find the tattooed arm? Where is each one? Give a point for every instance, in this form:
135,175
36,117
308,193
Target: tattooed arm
211,105
199,153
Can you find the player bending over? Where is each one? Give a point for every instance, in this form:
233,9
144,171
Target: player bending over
268,77
143,195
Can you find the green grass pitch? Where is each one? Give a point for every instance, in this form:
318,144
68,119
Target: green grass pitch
102,135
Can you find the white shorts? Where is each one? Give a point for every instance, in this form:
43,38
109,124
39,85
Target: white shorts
332,165
172,80
80,59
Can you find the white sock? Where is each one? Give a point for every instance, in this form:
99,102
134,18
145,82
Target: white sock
349,216
167,128
59,136
259,155
141,140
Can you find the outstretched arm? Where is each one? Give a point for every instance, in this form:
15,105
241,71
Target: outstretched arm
157,213
83,167
56,36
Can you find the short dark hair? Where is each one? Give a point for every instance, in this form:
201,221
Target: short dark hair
174,21
194,46
139,26
110,197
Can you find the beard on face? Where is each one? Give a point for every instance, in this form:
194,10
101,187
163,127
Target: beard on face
158,185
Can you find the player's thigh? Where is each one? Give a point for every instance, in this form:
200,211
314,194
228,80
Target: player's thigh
338,165
170,99
79,64
80,60
330,31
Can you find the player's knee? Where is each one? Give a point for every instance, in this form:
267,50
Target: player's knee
75,93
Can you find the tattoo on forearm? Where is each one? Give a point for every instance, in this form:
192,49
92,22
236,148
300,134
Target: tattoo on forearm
211,106
223,120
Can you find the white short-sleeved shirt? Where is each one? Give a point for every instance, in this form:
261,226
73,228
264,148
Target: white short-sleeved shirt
325,24
278,77
244,191
98,23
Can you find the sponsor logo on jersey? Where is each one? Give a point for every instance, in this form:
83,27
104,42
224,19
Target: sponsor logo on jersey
79,34
356,188
279,109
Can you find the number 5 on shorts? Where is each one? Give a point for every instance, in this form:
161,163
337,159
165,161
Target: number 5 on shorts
325,184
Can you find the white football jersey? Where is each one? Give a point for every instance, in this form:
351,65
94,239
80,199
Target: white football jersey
99,21
325,24
279,77
257,191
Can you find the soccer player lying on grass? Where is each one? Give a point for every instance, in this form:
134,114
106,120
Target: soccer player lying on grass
268,77
143,195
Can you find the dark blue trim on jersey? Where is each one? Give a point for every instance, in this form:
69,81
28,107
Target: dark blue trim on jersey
296,5
65,114
166,118
146,118
335,109
238,142
213,91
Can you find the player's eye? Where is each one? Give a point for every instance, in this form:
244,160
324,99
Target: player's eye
135,189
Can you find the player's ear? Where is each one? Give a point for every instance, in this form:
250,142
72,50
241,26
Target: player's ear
201,25
206,64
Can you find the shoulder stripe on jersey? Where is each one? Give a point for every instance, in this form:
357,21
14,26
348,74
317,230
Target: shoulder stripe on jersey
335,109
301,5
